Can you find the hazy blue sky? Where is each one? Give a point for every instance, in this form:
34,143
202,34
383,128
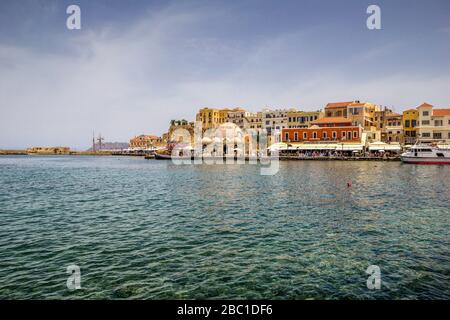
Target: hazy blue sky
135,65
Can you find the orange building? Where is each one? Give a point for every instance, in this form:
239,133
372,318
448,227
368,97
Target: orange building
334,129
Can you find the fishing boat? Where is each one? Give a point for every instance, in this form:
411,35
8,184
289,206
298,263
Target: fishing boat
162,156
427,154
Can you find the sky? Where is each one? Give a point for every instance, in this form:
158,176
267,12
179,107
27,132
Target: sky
135,65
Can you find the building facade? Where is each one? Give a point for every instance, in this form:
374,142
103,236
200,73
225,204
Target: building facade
393,130
332,129
410,122
253,120
144,141
273,122
434,124
359,113
303,119
212,118
238,116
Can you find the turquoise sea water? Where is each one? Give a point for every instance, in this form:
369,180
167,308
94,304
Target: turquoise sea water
149,229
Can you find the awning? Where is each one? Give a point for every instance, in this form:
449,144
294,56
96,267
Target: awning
327,146
349,147
278,146
381,146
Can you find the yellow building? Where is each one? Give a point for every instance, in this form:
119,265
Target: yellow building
362,114
410,122
359,113
303,119
212,118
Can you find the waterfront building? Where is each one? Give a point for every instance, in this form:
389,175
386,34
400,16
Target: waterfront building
434,124
144,141
380,118
212,117
253,120
303,119
362,114
410,122
331,129
388,125
359,113
336,109
393,131
274,121
237,116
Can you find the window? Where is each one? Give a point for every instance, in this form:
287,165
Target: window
314,135
426,135
413,123
355,134
449,134
295,136
349,135
437,135
425,122
286,136
305,135
343,135
334,134
325,135
438,123
426,113
406,123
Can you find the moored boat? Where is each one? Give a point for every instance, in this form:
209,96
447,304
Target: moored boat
426,154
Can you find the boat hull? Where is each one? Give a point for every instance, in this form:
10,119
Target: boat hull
425,160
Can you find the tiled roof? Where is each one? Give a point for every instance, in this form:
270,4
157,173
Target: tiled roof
425,105
338,104
357,104
441,112
331,120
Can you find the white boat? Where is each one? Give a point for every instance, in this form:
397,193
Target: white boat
426,154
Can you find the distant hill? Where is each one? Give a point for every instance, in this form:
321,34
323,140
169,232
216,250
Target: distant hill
110,146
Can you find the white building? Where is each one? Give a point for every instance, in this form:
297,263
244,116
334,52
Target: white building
434,124
237,116
274,121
